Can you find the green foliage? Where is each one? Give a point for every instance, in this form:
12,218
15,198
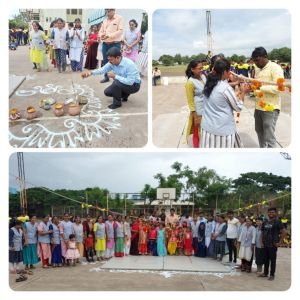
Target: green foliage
282,54
18,21
155,63
144,25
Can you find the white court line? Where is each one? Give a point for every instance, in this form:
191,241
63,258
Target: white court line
81,117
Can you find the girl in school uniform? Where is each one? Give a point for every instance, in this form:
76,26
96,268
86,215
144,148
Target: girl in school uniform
110,237
38,40
66,228
78,231
76,46
100,238
119,237
15,251
44,249
29,251
127,235
60,42
56,258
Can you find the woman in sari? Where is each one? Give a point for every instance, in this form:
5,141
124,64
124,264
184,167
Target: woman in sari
134,248
91,61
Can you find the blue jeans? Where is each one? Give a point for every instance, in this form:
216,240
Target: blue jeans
105,48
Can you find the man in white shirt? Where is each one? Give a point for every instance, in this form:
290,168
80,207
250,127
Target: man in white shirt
172,218
232,235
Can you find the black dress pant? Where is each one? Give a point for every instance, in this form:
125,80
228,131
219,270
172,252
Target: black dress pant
120,91
231,243
270,259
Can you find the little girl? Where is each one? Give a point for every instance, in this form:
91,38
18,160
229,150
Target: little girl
172,244
179,250
72,253
161,246
188,241
152,245
143,239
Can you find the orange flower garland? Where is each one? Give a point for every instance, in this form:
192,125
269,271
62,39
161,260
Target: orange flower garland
280,84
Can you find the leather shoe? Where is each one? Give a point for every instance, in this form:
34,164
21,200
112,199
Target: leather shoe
113,106
104,80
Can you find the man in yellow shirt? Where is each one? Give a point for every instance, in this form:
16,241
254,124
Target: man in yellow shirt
266,116
110,34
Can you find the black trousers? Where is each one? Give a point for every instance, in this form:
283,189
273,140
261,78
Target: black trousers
120,91
155,79
231,243
270,259
89,254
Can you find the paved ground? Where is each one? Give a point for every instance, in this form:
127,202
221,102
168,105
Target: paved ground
170,115
96,126
93,277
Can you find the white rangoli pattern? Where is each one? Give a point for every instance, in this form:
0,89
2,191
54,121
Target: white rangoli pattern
93,122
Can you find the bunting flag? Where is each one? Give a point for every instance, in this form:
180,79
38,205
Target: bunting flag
263,202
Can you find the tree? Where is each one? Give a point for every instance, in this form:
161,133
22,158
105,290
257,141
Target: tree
18,21
144,25
178,58
167,60
282,54
155,63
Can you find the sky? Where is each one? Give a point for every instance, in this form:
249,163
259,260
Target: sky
234,31
128,172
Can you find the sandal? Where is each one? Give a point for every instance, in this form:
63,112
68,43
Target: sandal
29,272
21,278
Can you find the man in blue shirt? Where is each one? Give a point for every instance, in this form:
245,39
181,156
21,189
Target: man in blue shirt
124,73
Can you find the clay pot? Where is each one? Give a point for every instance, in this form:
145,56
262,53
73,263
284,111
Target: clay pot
82,100
59,109
14,114
74,109
31,113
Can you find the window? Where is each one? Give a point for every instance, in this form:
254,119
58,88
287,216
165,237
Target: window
80,12
50,19
68,11
74,11
46,19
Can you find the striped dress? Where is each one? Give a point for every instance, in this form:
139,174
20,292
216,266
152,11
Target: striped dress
218,123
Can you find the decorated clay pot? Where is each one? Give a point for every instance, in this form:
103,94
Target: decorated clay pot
59,109
14,114
31,113
74,109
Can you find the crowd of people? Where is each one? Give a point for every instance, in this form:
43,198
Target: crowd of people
63,241
214,94
109,49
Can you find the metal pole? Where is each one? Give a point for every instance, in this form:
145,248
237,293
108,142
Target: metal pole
193,209
107,203
86,202
239,201
125,212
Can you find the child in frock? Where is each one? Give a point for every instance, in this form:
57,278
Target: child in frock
188,241
72,253
161,246
89,247
172,244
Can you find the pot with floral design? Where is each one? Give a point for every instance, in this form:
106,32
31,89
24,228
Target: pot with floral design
31,113
59,109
